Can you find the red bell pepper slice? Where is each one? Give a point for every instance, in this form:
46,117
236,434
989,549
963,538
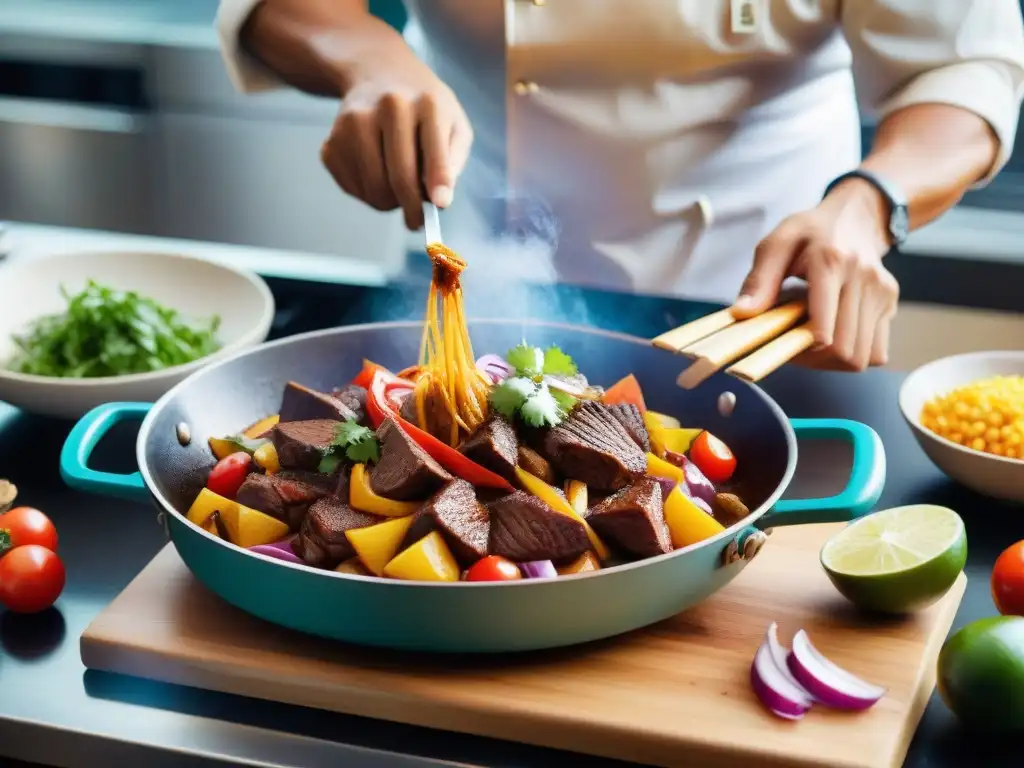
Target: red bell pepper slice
365,377
452,460
381,400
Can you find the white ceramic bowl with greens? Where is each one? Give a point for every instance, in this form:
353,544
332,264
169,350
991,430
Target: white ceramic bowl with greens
195,288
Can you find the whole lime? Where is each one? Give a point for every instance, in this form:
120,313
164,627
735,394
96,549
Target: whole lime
981,673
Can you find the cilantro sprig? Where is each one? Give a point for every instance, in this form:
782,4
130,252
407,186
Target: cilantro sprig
351,441
533,393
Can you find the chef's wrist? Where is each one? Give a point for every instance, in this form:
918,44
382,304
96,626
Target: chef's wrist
864,200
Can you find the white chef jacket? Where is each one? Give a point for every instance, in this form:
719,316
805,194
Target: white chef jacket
665,138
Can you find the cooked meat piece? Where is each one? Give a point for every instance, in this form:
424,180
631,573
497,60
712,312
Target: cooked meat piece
633,519
353,397
593,447
728,508
301,403
439,421
536,464
460,518
326,483
524,528
629,416
493,446
259,492
405,472
300,444
321,541
281,496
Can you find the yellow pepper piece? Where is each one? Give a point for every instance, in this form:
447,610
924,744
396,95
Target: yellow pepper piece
656,432
244,526
576,494
688,523
429,559
222,448
679,440
266,457
362,497
668,422
582,564
660,468
261,426
553,499
353,566
377,544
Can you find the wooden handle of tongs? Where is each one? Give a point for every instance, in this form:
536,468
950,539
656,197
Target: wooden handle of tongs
774,354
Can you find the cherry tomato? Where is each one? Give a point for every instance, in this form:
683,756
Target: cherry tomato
228,475
493,568
31,579
26,525
712,457
1008,581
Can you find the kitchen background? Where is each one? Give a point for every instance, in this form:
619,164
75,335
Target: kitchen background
118,115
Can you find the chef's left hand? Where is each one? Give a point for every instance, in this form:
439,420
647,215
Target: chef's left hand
837,248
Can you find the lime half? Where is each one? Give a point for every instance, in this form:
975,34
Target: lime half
898,560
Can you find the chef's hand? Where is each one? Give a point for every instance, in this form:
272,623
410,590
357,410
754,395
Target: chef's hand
837,248
400,135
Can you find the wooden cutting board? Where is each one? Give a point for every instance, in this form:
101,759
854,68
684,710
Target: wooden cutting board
676,694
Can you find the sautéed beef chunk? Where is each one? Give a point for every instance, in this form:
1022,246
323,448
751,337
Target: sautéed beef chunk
536,465
259,492
633,519
592,446
460,519
301,403
300,444
353,397
524,528
321,541
286,496
629,416
439,421
494,446
405,472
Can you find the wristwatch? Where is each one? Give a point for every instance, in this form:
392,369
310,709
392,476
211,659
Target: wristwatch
899,219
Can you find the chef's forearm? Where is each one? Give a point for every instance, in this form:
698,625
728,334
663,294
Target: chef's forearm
934,152
319,46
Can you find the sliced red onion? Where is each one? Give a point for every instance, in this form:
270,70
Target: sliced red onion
538,569
780,655
699,486
667,486
282,550
496,367
701,504
775,691
826,682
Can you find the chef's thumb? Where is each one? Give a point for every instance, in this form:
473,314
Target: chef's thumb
763,282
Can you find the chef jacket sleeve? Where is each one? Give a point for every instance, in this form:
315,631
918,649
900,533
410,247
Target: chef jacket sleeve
247,73
966,53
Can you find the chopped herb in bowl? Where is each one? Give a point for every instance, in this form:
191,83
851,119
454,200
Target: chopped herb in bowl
110,332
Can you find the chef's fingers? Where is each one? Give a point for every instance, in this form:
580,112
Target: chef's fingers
825,274
340,164
435,129
366,144
399,124
772,260
460,144
848,325
880,339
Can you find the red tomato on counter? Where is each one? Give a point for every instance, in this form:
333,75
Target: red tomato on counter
31,579
26,525
1008,581
228,475
493,568
712,457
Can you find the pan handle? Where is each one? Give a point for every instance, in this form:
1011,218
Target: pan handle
81,441
864,488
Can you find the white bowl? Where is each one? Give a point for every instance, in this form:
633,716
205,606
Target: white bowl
986,473
196,288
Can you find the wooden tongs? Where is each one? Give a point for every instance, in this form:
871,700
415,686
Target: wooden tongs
748,349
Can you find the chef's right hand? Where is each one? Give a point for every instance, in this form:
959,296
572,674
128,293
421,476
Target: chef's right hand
401,135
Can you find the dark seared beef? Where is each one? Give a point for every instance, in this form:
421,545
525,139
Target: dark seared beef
300,444
633,519
524,528
353,397
405,472
629,416
286,496
326,483
321,541
301,403
593,447
536,464
459,517
494,445
259,492
439,421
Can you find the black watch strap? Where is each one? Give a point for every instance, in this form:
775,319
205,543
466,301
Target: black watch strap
899,219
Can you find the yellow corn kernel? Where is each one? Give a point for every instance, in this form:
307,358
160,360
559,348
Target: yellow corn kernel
987,415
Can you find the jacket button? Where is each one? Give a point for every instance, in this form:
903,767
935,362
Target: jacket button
523,87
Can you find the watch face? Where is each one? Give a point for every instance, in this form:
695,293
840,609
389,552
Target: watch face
899,223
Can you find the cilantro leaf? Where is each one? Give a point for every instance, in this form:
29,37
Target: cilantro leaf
329,464
350,432
364,451
557,363
541,409
527,360
565,401
351,441
509,396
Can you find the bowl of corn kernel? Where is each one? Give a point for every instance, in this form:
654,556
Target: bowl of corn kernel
967,413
